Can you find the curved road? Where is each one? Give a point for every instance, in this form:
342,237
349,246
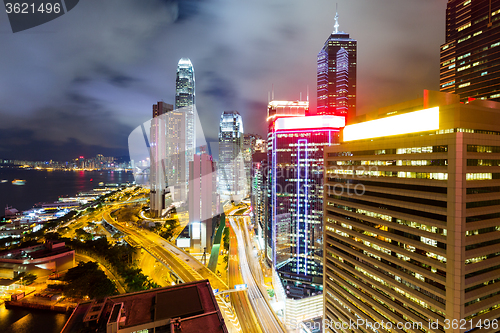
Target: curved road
265,314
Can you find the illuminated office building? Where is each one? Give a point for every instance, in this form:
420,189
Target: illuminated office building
232,182
177,163
470,57
258,192
336,76
286,109
249,146
184,143
412,204
295,223
157,151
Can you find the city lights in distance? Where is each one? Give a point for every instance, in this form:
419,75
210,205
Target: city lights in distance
418,121
311,122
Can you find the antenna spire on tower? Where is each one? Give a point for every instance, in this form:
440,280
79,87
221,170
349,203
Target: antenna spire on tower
336,26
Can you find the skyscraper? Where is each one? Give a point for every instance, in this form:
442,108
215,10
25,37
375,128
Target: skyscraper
204,206
470,57
337,75
184,103
232,182
157,150
411,215
295,203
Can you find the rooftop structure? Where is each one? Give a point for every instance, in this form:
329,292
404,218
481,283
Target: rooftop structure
186,308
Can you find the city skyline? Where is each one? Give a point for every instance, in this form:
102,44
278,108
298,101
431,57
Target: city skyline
40,117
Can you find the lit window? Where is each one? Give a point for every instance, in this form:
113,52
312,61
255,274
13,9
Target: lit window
463,39
463,68
464,85
465,26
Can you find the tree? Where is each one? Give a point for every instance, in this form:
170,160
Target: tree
83,235
87,279
225,239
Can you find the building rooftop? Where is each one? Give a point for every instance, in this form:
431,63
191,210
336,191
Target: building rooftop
189,307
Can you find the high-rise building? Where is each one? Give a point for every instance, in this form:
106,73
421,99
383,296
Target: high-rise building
411,210
295,203
286,109
470,57
232,182
204,206
337,75
157,151
249,146
258,195
185,103
177,165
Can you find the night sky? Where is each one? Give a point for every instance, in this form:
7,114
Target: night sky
80,84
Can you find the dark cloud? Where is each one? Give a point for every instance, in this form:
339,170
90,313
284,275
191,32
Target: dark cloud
88,78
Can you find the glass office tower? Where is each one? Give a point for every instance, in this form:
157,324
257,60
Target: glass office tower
336,76
232,182
470,57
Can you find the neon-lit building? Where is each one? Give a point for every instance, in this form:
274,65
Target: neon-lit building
471,52
232,182
412,203
336,76
295,179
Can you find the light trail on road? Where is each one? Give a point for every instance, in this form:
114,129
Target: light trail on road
263,311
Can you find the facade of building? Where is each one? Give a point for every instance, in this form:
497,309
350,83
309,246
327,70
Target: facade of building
177,160
249,148
258,196
204,202
411,209
186,308
232,182
183,125
158,154
336,76
295,181
282,109
470,57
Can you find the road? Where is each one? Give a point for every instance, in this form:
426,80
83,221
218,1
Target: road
184,265
240,299
265,314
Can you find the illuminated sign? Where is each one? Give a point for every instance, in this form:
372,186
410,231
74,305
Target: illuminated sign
311,122
418,121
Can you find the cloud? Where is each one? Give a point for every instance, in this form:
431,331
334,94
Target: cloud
93,74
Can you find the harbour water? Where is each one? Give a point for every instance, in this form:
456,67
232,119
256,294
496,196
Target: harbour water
48,186
19,320
44,186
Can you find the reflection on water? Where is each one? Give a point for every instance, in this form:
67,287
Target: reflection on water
30,321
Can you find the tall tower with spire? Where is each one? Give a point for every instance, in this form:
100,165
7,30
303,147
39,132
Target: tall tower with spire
337,75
